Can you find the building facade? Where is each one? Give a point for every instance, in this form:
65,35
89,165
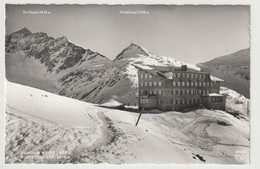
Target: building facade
168,88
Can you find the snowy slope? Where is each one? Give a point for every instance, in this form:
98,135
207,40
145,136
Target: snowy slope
42,127
234,69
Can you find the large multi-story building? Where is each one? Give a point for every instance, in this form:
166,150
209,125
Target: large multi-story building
171,88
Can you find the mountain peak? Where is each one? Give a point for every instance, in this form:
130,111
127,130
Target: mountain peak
133,50
63,38
23,31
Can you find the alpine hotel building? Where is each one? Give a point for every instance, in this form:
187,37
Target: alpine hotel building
171,88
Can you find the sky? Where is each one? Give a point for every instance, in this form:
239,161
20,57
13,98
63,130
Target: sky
192,34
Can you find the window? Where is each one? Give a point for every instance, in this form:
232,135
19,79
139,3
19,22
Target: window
207,84
199,91
146,101
172,92
154,92
187,84
187,101
141,84
159,83
203,76
181,92
184,75
145,91
160,101
141,76
188,75
174,83
145,75
191,83
145,83
178,75
191,75
188,91
159,92
179,83
196,76
151,92
204,84
191,92
176,92
199,83
183,83
199,76
150,84
154,83
195,83
176,101
211,84
150,76
141,92
174,74
183,101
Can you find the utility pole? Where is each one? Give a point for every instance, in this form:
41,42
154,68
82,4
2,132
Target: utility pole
141,112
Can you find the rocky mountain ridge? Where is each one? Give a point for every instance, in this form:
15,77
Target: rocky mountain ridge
56,54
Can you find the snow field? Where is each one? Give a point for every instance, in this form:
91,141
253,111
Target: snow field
38,121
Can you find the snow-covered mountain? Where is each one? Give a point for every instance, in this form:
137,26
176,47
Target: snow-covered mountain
233,68
119,81
42,127
56,54
57,65
37,60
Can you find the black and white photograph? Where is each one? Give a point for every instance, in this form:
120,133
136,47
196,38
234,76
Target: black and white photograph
127,84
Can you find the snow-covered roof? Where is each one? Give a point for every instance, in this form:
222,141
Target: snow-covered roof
161,72
213,78
144,67
213,94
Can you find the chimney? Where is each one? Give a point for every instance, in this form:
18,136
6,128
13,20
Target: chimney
184,68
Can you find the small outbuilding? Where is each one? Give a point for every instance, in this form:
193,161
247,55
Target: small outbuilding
214,101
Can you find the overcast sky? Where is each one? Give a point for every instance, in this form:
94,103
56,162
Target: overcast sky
191,34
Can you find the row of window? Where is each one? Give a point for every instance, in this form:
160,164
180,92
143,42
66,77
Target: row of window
189,75
181,84
178,75
146,76
183,101
190,92
151,83
200,84
144,101
151,92
218,99
175,101
175,92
